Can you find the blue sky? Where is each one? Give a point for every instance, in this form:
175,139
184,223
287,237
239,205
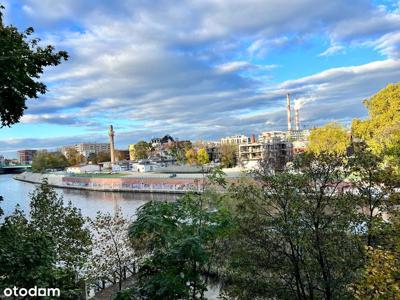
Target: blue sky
202,69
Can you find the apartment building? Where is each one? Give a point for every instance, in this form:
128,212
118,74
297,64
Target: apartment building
275,152
86,149
26,156
235,140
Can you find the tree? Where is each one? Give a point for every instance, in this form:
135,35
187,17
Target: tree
330,139
44,160
191,156
73,156
103,156
175,243
28,259
375,184
65,225
202,157
380,278
92,157
22,63
228,155
111,251
25,254
381,130
141,150
178,150
295,234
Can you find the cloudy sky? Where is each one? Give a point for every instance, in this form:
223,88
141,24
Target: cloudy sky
202,69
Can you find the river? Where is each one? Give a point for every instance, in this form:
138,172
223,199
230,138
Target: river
90,202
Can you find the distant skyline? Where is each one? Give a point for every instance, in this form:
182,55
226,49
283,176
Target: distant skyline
201,69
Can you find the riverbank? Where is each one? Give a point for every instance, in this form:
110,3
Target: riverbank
142,184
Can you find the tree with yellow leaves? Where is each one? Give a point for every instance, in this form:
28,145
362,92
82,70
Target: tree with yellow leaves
380,279
191,156
381,130
331,138
202,157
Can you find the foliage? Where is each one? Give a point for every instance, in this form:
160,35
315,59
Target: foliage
141,150
381,131
178,150
375,183
73,157
228,155
65,225
99,157
119,155
111,251
103,156
330,139
294,237
191,156
202,157
176,242
381,277
22,63
28,258
44,160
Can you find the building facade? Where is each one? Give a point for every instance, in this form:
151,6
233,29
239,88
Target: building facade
86,149
268,135
26,156
274,152
235,140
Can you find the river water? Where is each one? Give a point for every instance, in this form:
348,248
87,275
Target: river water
90,202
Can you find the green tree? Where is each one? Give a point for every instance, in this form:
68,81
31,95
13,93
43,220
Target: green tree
92,157
202,157
28,259
44,160
175,242
381,130
228,155
22,63
330,139
142,150
65,225
178,150
294,237
103,156
375,183
25,254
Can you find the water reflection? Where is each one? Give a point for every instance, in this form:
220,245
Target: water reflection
16,192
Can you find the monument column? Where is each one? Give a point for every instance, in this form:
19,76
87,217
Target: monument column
112,152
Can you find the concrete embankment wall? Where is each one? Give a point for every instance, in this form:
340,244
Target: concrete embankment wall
120,184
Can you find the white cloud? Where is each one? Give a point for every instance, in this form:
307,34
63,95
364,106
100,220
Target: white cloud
333,49
182,68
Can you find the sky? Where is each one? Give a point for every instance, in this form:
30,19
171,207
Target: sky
201,69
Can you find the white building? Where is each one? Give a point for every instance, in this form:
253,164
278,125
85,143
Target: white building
120,167
235,140
144,167
79,169
268,135
86,149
